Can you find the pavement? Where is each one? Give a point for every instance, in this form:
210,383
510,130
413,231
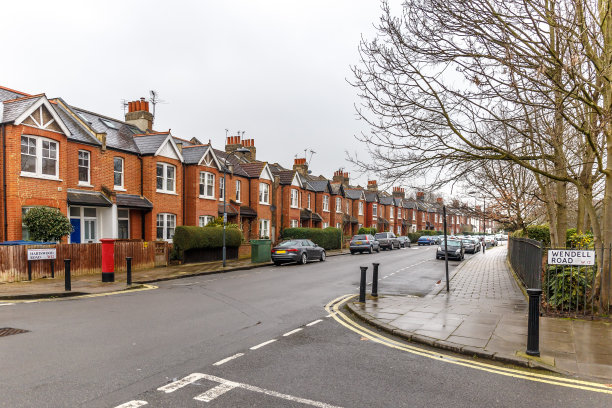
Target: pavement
92,285
485,315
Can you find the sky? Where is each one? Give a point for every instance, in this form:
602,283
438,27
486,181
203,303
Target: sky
278,70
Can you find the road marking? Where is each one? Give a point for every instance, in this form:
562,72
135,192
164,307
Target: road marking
173,386
216,391
6,304
344,320
292,331
227,385
265,343
313,323
117,292
225,360
132,404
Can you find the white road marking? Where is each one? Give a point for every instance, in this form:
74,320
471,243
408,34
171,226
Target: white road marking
173,386
313,323
227,385
292,331
216,391
225,360
265,343
132,404
6,304
330,315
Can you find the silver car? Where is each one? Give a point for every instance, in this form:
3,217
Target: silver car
364,243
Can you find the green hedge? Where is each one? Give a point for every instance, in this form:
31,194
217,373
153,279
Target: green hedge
365,231
429,233
328,238
190,237
414,236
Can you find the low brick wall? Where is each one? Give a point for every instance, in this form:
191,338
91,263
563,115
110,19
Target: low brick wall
244,251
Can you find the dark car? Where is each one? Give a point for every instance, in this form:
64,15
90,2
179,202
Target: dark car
404,241
364,243
469,245
297,250
425,240
455,250
387,240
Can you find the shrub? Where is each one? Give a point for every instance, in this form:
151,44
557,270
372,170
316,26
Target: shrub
414,236
328,238
566,287
218,222
429,233
46,224
539,233
190,237
363,231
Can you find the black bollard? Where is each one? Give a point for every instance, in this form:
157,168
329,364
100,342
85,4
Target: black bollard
375,279
67,285
128,261
533,323
53,269
362,284
29,270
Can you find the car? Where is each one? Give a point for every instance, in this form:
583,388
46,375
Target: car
297,250
364,243
387,240
404,241
469,245
490,241
425,240
455,250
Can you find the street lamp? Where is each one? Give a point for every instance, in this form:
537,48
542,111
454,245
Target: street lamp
230,167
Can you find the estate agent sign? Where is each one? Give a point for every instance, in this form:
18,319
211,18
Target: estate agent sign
571,257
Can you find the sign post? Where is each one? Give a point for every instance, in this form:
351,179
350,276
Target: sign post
41,255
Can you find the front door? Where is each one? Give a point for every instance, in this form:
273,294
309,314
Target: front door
75,235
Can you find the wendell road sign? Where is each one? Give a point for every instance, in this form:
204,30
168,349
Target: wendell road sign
571,257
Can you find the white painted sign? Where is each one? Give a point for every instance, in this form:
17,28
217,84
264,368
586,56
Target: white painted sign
571,257
40,254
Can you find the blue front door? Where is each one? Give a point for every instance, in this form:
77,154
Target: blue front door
75,236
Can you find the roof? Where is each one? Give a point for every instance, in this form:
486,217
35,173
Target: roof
371,196
286,176
7,93
387,200
193,154
306,214
91,198
119,135
230,209
253,169
352,193
133,201
320,186
337,189
149,144
78,132
233,160
15,107
247,211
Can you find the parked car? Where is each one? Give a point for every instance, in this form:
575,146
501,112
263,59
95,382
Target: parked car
469,245
387,240
404,241
425,240
490,240
297,250
364,243
455,250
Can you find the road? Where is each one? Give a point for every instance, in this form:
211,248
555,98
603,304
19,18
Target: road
253,338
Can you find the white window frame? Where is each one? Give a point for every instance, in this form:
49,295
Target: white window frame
326,203
204,220
122,173
221,188
374,210
208,184
88,159
423,217
166,218
338,225
338,204
294,198
165,167
38,155
294,223
325,225
391,213
399,213
121,218
308,201
399,230
264,194
413,215
361,208
238,188
264,228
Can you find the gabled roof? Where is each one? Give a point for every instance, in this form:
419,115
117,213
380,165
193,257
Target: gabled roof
337,189
7,93
253,169
154,143
193,154
26,108
371,196
387,200
13,108
354,194
320,186
231,159
78,131
119,135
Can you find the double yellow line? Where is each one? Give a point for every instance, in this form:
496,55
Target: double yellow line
333,308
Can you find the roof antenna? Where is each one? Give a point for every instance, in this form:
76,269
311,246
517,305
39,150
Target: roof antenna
124,104
154,99
311,153
226,131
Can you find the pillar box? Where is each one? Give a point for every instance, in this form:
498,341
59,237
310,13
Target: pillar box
108,259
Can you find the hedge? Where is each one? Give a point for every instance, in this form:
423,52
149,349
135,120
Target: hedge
365,231
190,237
429,233
328,238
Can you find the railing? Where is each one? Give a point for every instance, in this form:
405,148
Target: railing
525,256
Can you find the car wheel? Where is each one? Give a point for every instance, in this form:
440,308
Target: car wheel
352,252
277,263
303,259
322,259
371,250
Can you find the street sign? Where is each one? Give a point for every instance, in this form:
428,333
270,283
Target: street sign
571,257
41,254
225,218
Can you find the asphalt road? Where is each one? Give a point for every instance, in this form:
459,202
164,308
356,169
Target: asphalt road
114,350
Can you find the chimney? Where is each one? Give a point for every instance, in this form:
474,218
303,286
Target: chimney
399,192
138,115
300,166
420,196
372,185
341,177
233,143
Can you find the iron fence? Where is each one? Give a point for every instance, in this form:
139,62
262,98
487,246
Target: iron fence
525,256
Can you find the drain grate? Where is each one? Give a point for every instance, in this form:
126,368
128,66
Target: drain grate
9,331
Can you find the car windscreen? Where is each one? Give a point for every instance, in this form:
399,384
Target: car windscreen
452,243
383,235
356,237
289,244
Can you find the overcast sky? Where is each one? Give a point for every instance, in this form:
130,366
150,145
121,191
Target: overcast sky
275,69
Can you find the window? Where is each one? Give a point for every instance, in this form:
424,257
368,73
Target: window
221,188
413,215
166,180
294,223
264,228
89,224
338,225
294,198
238,183
207,185
423,217
374,210
123,219
325,203
118,172
435,217
347,207
205,219
166,223
309,201
399,230
83,167
360,208
264,193
390,212
359,226
338,204
39,157
325,225
399,213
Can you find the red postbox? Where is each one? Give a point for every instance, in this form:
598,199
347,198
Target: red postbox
108,259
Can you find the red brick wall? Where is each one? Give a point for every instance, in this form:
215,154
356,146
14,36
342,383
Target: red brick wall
162,203
196,206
